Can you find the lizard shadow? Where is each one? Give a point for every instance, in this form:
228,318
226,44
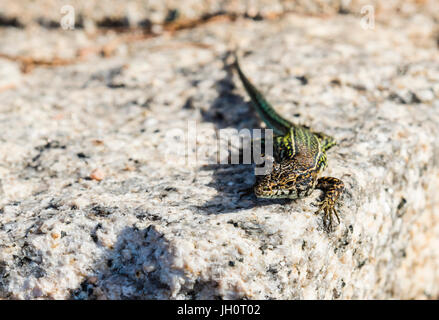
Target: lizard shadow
230,110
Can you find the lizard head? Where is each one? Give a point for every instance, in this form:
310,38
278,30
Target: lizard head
286,180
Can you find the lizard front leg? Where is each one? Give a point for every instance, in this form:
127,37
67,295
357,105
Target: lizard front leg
333,188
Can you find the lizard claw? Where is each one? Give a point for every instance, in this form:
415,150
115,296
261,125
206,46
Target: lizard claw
332,187
328,213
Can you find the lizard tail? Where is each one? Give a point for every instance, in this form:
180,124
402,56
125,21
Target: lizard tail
272,119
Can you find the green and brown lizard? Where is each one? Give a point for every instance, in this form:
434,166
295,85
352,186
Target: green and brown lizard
299,158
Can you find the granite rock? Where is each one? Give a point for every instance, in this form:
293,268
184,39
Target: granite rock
97,201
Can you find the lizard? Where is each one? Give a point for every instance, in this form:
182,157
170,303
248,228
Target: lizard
299,158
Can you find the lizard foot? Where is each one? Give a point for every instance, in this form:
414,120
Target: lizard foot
245,192
333,188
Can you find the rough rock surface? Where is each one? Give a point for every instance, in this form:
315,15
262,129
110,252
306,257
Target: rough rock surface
97,202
